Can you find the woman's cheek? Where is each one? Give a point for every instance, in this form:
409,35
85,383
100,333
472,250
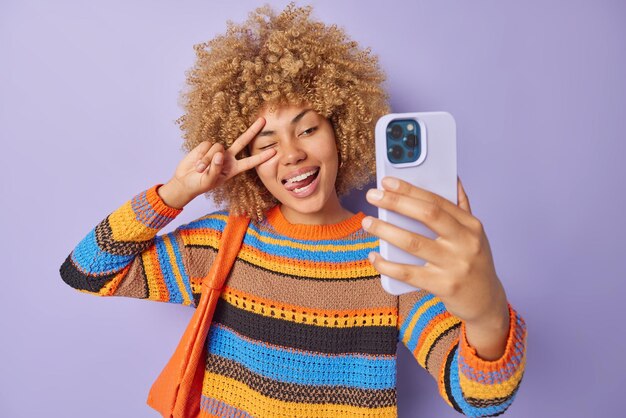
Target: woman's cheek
267,169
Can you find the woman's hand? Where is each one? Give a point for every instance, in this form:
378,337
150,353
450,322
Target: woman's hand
459,266
209,165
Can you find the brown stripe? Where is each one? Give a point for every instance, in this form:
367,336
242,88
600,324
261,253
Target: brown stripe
437,355
406,303
135,284
293,392
336,295
200,261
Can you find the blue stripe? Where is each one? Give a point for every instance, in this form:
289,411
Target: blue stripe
287,250
412,313
303,368
89,257
340,242
165,265
210,222
425,318
85,251
181,268
340,255
457,393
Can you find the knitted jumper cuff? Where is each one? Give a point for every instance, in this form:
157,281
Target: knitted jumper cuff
142,217
479,369
159,205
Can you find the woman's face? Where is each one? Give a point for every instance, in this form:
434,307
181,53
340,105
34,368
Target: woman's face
302,173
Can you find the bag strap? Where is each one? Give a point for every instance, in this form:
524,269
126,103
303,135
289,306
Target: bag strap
178,389
229,245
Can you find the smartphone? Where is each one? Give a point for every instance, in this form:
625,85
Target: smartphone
419,148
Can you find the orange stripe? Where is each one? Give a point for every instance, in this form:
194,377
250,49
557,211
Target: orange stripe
204,236
158,205
211,237
429,328
476,362
110,288
337,266
156,275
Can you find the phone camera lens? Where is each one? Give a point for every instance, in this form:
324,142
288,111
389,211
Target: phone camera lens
396,131
410,140
396,152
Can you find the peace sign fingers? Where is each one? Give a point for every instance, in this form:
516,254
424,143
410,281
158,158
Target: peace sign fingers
245,138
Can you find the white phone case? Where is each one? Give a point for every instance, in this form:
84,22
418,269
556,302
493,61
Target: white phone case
435,170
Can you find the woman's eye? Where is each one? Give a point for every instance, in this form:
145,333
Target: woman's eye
309,131
267,146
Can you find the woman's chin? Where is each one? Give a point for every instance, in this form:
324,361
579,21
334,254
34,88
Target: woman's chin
308,205
302,207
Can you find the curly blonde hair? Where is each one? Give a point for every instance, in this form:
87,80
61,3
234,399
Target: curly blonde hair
283,59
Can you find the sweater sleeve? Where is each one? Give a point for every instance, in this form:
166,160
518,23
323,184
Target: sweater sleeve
471,385
123,256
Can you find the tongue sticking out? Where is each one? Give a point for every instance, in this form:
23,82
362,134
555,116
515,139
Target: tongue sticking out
301,183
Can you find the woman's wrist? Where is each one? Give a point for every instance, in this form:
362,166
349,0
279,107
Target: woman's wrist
172,195
489,337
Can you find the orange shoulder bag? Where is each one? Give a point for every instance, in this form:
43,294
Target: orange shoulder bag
176,393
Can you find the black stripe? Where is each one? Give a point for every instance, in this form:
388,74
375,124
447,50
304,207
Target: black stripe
196,298
76,279
483,403
301,393
359,339
443,334
105,241
499,412
446,379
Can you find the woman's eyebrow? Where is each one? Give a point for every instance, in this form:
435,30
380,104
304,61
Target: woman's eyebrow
294,120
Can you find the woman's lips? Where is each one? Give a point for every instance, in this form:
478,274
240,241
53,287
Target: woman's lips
301,183
307,190
298,172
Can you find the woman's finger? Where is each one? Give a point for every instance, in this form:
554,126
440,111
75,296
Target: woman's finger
418,276
407,189
245,138
215,168
420,246
462,197
198,152
254,160
430,213
205,161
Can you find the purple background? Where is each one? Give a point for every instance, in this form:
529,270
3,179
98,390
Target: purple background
88,99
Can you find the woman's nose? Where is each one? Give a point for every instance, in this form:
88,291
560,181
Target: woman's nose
292,154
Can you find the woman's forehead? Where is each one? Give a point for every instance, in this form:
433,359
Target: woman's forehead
284,113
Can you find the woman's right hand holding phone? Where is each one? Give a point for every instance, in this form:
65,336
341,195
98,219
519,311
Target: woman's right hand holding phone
209,165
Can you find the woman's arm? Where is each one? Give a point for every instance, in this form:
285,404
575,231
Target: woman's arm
472,385
461,313
123,256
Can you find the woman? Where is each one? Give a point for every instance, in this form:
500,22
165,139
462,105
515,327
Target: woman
278,124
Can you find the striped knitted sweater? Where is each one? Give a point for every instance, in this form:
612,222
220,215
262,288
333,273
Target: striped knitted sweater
303,327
